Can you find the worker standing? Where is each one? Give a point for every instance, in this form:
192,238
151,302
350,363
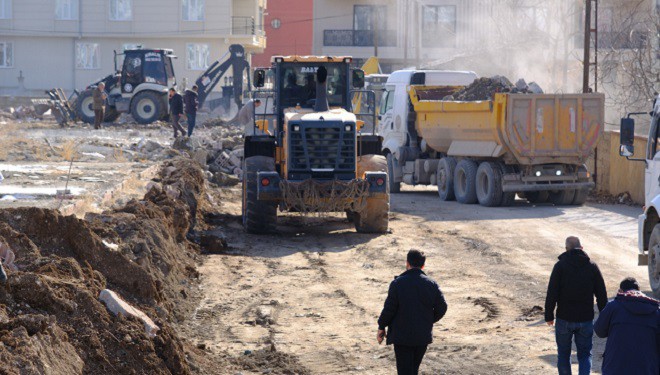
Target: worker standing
176,111
631,323
98,97
574,281
246,117
414,303
191,103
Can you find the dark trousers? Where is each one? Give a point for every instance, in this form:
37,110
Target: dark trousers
408,358
191,122
99,114
177,127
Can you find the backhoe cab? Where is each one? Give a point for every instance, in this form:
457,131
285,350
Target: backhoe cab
139,88
299,159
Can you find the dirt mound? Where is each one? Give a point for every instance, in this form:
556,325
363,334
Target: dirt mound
483,89
271,362
51,320
604,197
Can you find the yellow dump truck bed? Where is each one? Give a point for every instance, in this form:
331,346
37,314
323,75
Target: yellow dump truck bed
526,129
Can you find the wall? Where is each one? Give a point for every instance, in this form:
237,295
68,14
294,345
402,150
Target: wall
615,173
294,37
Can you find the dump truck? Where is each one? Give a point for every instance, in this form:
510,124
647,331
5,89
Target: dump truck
649,221
310,157
533,145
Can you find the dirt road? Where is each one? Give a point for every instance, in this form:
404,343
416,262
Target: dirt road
314,291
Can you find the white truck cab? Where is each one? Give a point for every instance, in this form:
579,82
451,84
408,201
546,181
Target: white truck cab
649,221
394,119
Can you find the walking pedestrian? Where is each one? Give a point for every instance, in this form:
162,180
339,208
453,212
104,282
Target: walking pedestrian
98,104
191,103
414,303
246,117
574,281
176,111
631,323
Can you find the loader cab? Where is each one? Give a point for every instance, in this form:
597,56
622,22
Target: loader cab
146,66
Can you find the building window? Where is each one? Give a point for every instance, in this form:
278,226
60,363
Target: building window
193,10
198,56
368,17
5,9
120,10
439,26
6,55
87,55
276,23
66,9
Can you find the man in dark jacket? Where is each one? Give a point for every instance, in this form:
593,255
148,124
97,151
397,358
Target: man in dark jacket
98,104
190,101
176,111
574,281
631,323
414,302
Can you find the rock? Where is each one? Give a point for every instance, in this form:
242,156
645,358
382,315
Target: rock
147,146
213,242
183,144
224,179
200,156
117,305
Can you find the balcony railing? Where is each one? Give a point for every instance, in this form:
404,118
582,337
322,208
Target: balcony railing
358,38
243,26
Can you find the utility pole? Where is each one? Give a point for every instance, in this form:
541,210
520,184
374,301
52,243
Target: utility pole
405,33
586,61
376,18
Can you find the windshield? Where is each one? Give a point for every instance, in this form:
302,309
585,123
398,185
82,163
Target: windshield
298,84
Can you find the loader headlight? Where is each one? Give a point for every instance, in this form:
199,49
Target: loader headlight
538,173
558,173
296,128
348,128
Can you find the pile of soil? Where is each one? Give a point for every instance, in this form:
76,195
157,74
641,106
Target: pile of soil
51,320
483,89
604,197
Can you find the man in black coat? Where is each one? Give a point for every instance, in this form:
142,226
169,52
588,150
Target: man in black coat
574,281
191,103
176,111
414,302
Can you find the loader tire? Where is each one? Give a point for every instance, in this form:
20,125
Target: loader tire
259,217
374,218
489,184
371,163
445,178
562,197
465,182
536,197
395,187
84,106
580,197
654,261
147,107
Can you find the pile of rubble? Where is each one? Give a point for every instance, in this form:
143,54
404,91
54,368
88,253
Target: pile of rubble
485,89
99,295
23,113
604,197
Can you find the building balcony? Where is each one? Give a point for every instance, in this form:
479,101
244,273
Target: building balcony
358,38
245,26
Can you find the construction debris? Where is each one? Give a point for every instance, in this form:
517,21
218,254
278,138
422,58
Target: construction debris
485,89
116,305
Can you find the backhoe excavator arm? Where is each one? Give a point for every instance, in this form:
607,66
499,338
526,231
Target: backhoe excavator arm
210,78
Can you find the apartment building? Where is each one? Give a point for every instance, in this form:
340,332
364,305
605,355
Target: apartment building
70,43
289,26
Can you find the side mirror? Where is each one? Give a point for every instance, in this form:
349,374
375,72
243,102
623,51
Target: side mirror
259,78
627,137
358,78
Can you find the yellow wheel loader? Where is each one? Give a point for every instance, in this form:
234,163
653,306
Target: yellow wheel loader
309,154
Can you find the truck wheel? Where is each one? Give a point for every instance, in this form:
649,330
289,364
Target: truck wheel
465,184
654,260
84,107
507,197
395,187
489,184
259,217
445,178
147,107
580,197
374,218
562,197
537,196
111,114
